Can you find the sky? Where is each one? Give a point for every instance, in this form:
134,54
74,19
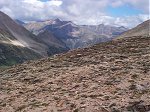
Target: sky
128,13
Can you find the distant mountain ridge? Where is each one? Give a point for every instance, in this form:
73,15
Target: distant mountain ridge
18,44
76,36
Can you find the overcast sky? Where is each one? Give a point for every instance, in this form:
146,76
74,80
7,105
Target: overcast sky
126,13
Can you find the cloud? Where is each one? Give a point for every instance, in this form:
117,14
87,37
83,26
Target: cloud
142,5
78,11
127,21
39,3
130,21
31,9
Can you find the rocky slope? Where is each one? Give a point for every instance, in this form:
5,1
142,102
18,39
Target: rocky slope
18,44
19,34
76,36
48,38
108,77
140,30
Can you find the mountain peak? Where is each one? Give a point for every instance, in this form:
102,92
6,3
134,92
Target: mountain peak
58,20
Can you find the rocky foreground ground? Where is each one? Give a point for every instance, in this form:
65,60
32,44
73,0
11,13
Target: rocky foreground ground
108,77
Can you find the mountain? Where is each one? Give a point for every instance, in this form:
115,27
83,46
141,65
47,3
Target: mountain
18,44
49,39
19,22
140,30
76,36
107,77
110,31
